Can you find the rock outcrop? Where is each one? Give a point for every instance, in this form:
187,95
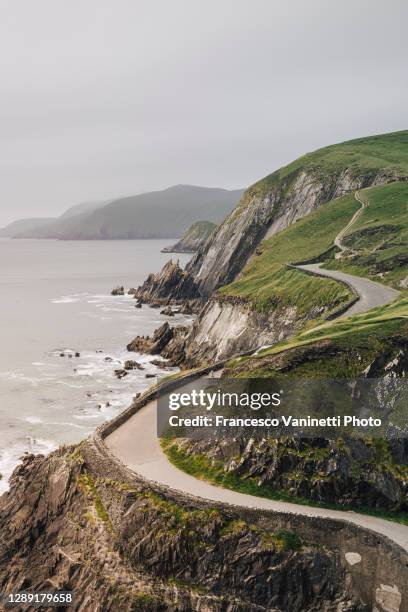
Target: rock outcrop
169,342
69,522
171,285
345,472
228,327
194,238
118,291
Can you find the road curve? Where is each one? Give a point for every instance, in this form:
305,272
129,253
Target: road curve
136,444
370,293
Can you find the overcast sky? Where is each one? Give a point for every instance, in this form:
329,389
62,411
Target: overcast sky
106,98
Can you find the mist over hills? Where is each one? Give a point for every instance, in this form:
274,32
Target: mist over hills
23,225
159,214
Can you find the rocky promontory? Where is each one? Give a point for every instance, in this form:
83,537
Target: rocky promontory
167,341
73,521
171,285
194,238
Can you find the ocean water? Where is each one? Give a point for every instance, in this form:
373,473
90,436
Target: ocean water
55,299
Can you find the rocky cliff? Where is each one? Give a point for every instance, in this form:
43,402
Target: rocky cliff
266,210
71,522
228,327
171,285
271,205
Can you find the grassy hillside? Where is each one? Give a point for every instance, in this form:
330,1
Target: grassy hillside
380,237
362,155
267,282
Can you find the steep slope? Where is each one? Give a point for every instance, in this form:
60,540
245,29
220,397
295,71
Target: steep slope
290,193
76,521
23,225
194,238
159,214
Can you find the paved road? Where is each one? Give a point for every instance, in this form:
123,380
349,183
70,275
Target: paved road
135,443
371,293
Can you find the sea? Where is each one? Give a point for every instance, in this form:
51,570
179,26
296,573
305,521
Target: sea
55,303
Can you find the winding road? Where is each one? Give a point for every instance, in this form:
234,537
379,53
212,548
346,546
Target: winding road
136,444
370,293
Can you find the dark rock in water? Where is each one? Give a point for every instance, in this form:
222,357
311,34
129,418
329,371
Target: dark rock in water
160,364
108,359
171,282
77,354
120,373
138,304
62,354
131,364
132,291
150,375
154,345
169,342
167,311
118,291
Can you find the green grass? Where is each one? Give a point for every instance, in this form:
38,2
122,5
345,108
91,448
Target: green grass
361,156
203,468
380,237
354,343
266,282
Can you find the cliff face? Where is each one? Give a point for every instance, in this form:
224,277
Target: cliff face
263,212
228,327
71,522
171,284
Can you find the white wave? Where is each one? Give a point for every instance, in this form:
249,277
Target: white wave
34,420
10,457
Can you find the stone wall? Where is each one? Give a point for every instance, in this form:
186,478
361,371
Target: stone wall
377,566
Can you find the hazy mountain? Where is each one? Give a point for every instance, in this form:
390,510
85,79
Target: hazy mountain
23,225
158,214
26,227
85,207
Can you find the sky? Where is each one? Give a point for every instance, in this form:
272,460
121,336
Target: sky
105,98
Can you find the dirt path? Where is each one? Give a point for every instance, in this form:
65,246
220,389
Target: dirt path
370,293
